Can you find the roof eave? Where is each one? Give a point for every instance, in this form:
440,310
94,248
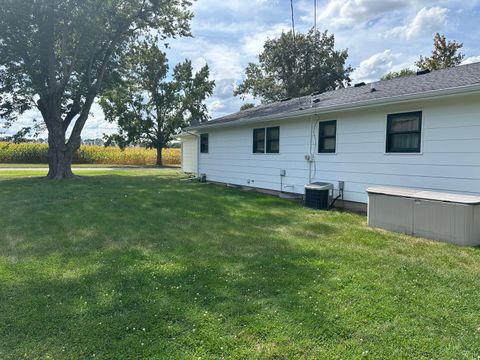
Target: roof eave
347,107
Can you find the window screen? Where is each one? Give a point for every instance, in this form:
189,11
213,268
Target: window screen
273,140
258,141
404,132
327,136
204,143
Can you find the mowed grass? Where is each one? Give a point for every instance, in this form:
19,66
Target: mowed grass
137,264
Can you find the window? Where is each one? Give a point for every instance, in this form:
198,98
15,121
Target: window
204,143
273,140
404,132
266,140
327,136
259,141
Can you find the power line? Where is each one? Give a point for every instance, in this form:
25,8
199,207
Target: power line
293,20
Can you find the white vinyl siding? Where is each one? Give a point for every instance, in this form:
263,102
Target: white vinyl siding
449,159
189,154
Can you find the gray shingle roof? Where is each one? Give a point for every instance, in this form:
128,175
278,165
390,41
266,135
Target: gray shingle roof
456,77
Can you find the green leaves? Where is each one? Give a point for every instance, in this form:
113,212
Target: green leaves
295,66
57,56
397,74
247,106
445,54
149,104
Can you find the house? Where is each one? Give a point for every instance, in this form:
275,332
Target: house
420,131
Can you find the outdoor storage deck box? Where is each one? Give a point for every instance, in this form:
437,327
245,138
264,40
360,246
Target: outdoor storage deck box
446,217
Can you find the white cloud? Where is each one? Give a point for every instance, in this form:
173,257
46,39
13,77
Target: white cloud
370,68
215,105
223,27
378,65
96,124
426,22
252,43
341,13
23,121
225,62
357,13
232,6
471,60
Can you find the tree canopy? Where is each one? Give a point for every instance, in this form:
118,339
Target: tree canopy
397,74
56,56
150,109
296,65
247,106
445,54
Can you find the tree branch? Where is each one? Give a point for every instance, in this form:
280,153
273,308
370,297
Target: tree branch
74,111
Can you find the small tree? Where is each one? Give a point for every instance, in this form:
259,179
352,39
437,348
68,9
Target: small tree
445,54
148,109
247,106
398,74
57,55
296,65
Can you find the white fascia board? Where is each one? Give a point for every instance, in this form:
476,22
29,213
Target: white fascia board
185,135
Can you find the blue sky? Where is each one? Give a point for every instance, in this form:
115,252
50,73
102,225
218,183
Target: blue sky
381,36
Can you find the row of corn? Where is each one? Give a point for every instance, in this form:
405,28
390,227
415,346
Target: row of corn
29,153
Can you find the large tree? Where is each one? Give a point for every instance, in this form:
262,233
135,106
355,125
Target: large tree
57,55
445,54
294,65
150,109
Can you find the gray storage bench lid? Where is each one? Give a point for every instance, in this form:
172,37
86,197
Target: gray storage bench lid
425,195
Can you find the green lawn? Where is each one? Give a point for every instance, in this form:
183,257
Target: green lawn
136,264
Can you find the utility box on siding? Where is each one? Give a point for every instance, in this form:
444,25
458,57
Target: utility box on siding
446,217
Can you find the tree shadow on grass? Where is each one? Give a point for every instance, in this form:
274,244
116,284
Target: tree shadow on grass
116,209
88,265
178,307
127,266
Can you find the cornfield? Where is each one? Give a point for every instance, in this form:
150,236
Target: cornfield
28,153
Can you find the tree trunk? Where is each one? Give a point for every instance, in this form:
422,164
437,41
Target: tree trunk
159,156
60,156
59,165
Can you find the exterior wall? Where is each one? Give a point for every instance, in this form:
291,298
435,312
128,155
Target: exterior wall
449,159
231,159
189,154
